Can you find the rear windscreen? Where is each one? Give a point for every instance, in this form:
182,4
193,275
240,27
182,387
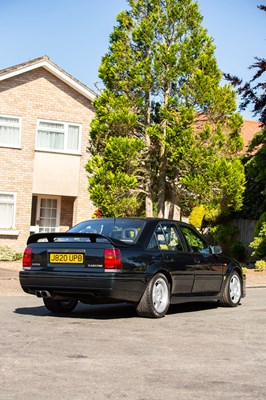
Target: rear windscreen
126,230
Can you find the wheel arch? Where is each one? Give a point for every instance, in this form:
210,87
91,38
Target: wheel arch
234,267
167,274
237,268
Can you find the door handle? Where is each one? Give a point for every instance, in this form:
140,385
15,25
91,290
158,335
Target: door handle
169,258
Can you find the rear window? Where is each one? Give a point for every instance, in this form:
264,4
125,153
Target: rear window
126,230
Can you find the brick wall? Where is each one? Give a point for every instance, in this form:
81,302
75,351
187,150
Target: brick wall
67,207
36,95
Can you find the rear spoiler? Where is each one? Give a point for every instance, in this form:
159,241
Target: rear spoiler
50,237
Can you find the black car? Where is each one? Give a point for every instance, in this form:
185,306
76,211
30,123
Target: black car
149,262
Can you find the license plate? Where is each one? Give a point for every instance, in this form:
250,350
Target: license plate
66,258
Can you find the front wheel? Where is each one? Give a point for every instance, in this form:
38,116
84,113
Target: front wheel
60,306
156,298
232,291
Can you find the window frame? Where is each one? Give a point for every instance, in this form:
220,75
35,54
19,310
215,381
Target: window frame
165,247
64,150
14,202
205,250
12,145
38,212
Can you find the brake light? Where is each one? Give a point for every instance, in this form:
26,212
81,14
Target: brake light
112,260
27,258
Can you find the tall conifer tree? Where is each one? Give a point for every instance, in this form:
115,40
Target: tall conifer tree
162,95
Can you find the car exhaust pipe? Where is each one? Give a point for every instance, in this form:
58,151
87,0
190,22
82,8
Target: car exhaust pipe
46,294
43,293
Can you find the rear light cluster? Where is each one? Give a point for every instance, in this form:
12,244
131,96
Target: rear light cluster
112,261
27,258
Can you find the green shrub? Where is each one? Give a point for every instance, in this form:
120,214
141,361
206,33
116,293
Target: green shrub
259,224
259,243
8,254
223,234
261,265
196,216
238,251
244,270
18,256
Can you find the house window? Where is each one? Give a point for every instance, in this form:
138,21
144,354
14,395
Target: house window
10,131
7,210
58,136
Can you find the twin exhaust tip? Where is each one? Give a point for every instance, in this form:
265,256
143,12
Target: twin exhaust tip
43,293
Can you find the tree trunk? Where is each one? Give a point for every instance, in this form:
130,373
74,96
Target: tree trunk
148,185
161,183
149,207
163,159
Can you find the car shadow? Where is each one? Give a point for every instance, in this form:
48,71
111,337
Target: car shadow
101,312
111,311
192,307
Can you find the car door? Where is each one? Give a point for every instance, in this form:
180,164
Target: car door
177,261
207,267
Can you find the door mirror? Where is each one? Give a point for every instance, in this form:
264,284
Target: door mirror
216,249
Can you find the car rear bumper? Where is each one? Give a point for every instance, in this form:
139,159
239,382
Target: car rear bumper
109,286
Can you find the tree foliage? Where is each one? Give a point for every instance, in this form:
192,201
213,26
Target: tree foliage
162,88
254,203
253,93
259,243
196,216
114,183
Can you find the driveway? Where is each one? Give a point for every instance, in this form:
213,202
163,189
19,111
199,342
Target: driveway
197,351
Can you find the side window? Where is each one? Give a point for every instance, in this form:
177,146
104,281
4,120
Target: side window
10,131
153,243
166,237
195,242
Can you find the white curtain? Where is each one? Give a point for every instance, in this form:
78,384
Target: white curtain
9,135
6,215
50,135
48,210
73,137
50,140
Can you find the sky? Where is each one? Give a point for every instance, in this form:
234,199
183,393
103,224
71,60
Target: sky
75,33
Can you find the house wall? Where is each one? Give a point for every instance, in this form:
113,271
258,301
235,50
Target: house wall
67,207
33,95
56,174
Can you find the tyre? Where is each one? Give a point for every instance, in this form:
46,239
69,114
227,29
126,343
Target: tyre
232,291
156,298
60,306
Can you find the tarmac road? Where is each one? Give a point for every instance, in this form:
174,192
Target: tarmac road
107,352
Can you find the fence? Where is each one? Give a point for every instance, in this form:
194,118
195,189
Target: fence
246,229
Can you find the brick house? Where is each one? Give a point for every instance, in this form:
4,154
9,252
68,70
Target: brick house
45,117
248,131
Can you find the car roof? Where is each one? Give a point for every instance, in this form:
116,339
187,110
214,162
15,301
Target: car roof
145,219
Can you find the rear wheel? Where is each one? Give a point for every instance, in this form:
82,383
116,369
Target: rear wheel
232,291
60,306
156,298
